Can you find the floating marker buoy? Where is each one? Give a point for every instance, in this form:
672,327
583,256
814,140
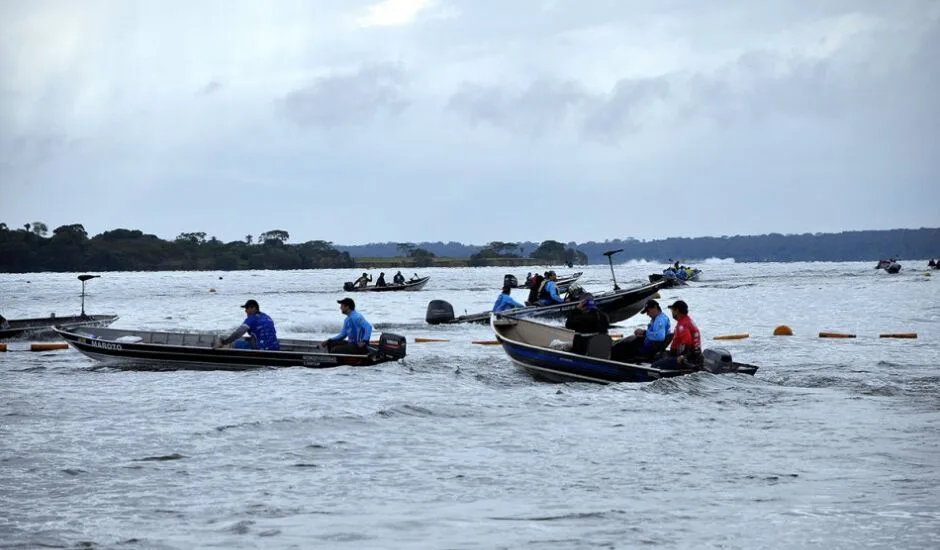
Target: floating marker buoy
910,335
783,330
428,340
48,347
835,335
486,342
3,347
733,337
211,290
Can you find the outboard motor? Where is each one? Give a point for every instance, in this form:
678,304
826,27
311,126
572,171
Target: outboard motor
392,345
439,311
717,360
510,280
348,286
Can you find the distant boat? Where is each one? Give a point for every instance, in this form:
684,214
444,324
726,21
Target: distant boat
890,266
41,327
414,284
618,305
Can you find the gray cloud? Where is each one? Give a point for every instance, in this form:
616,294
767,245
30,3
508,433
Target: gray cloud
348,98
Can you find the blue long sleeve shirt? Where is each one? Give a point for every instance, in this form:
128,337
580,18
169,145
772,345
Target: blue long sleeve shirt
505,302
656,331
552,292
355,329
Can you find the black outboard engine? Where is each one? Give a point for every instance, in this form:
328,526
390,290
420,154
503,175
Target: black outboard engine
392,345
717,360
439,311
510,280
348,286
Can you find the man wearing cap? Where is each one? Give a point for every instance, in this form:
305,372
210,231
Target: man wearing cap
686,349
260,329
356,331
505,301
645,343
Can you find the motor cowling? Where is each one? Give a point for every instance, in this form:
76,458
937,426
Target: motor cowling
392,345
510,280
348,286
717,360
439,311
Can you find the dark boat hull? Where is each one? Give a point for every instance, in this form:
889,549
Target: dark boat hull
193,351
526,344
41,328
417,284
619,305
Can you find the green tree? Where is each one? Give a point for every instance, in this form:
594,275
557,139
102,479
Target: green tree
40,229
274,236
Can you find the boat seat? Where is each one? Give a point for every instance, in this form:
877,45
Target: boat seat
158,338
592,345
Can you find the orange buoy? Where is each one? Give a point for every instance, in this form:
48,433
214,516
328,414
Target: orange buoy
419,340
910,335
733,337
48,347
486,342
835,335
783,330
3,347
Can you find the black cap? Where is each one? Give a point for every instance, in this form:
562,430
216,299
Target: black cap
347,302
251,303
652,303
680,305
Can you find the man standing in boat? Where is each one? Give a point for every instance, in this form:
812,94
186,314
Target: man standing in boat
259,327
356,332
686,349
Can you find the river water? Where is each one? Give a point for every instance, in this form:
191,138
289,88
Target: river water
833,444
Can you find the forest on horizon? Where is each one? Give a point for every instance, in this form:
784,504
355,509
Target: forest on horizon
33,247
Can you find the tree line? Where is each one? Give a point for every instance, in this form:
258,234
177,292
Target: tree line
69,248
32,247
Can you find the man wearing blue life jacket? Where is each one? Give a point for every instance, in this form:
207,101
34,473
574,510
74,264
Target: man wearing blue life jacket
505,301
259,327
548,294
354,338
645,343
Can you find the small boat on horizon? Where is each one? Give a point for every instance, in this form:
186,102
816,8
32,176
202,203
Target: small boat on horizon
41,327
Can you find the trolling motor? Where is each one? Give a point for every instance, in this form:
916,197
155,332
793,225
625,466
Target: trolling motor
84,278
610,253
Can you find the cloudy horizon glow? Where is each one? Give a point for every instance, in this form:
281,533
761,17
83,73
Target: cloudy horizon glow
436,120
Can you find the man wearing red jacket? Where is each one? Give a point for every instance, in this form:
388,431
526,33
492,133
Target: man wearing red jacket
685,352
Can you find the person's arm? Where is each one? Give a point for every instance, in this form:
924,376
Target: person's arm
365,331
514,303
235,335
342,334
553,292
657,331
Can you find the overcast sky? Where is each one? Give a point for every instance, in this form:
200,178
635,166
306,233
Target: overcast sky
477,120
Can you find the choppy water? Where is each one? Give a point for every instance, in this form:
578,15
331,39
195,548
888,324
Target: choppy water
833,444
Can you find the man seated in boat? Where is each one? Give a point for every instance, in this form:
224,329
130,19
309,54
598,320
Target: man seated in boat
587,321
381,280
354,338
363,281
686,349
259,327
646,343
399,279
504,301
548,294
